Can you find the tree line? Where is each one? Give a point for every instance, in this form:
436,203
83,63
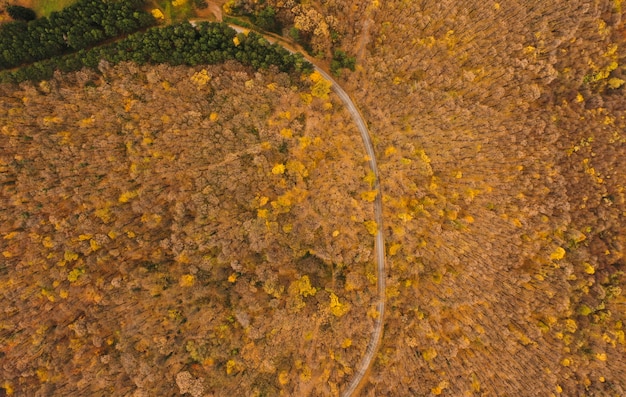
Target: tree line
179,44
76,27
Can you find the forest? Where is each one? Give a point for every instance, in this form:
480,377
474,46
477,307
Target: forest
174,44
192,214
76,27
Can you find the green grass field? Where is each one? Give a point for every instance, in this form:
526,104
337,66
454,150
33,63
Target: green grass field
45,7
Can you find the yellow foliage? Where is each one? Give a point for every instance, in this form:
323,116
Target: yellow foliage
157,14
297,167
286,132
48,295
316,76
84,237
86,122
232,278
42,374
8,388
283,201
440,387
304,142
9,236
278,169
73,275
47,242
213,116
70,256
370,178
337,308
405,217
321,86
390,150
187,280
52,120
201,78
271,288
262,213
346,343
602,29
559,253
306,98
588,268
394,249
283,378
475,383
570,325
369,196
616,83
601,356
231,366
229,6
236,41
127,196
371,226
429,354
302,287
305,375
94,245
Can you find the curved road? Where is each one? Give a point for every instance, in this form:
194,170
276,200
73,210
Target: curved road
372,346
379,248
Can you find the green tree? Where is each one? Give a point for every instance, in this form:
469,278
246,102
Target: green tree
20,13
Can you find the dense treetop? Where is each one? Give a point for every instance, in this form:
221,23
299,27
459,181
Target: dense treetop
78,26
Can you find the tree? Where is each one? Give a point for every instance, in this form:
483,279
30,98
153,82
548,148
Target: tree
341,60
266,19
20,13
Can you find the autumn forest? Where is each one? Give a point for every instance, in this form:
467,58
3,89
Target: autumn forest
189,209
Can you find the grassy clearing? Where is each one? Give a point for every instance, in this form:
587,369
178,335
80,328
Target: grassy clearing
44,8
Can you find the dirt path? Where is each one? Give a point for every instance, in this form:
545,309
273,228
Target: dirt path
215,8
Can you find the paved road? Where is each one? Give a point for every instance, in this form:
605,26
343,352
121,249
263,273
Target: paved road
374,342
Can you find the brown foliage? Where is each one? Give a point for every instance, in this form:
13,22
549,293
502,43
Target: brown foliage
500,141
156,226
